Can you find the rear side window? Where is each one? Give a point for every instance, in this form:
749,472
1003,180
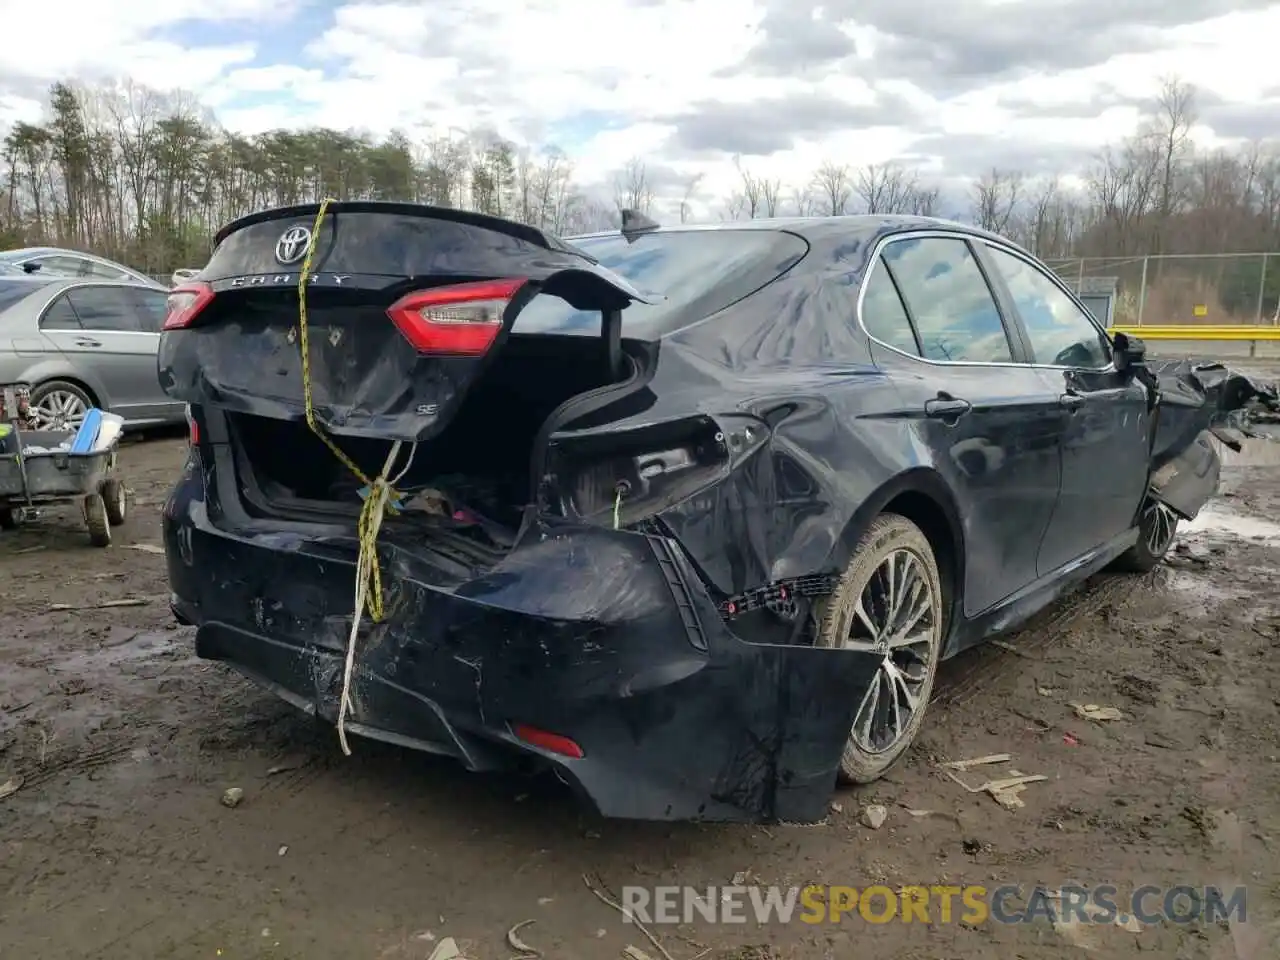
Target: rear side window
955,313
883,314
699,272
152,307
108,309
60,316
16,289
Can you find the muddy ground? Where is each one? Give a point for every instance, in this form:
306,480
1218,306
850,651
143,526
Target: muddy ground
116,844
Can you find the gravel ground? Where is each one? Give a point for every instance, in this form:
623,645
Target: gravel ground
115,843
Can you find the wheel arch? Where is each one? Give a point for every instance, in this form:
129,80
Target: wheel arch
94,394
922,496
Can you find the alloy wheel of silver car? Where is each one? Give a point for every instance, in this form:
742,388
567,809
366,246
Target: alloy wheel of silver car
895,619
1160,524
58,410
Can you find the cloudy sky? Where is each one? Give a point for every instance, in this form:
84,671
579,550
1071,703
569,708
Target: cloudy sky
1033,84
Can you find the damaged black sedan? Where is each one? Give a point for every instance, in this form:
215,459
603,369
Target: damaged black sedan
688,515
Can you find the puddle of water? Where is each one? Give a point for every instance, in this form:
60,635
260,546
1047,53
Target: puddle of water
143,646
1201,589
1235,524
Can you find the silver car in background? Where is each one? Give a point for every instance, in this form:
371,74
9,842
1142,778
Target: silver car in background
73,263
81,343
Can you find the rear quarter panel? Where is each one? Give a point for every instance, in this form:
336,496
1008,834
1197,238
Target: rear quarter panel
795,506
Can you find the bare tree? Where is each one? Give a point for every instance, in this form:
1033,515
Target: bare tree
996,199
632,189
831,183
886,187
690,187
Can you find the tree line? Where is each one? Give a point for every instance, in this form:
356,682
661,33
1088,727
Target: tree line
146,176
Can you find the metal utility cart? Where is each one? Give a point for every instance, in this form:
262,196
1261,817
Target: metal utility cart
50,475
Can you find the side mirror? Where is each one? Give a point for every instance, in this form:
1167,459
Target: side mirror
1129,352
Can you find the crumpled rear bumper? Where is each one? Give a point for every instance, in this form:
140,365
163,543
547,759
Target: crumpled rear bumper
604,637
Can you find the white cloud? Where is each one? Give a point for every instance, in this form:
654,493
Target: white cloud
649,66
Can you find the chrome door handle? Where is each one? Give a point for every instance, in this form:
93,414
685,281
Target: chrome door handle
87,342
948,408
1071,401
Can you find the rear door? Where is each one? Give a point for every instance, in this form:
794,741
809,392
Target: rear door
98,327
406,307
1106,438
989,423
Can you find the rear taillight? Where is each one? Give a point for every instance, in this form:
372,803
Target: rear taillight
462,319
193,428
185,303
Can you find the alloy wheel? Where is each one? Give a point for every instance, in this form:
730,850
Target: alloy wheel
58,410
896,618
1161,523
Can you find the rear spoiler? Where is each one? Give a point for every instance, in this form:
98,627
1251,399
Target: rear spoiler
510,228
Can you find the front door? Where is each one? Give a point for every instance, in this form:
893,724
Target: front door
1103,413
990,424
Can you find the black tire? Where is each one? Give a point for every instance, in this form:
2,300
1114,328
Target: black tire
115,500
890,538
1157,529
95,518
10,518
42,392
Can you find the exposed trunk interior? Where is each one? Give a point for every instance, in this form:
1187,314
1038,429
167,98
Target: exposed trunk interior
480,462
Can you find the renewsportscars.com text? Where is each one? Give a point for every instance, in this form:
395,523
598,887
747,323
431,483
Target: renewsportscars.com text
972,905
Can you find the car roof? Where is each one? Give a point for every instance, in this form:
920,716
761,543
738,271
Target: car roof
26,253
52,281
869,225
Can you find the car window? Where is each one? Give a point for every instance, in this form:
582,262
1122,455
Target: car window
694,273
60,316
109,309
104,272
64,266
883,314
1060,332
152,306
955,313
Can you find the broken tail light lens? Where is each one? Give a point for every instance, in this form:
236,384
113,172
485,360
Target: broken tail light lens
545,740
627,477
462,319
185,303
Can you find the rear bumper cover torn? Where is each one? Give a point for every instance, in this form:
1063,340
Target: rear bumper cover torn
677,717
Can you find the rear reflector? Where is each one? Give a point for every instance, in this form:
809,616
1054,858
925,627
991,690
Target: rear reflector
551,742
193,428
185,303
462,319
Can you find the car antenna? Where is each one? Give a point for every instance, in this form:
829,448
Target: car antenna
635,223
31,266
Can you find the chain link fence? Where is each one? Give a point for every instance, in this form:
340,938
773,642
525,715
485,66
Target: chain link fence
1214,289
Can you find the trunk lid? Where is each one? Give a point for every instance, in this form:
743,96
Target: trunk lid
407,306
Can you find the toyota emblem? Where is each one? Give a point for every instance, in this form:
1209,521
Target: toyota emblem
292,247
